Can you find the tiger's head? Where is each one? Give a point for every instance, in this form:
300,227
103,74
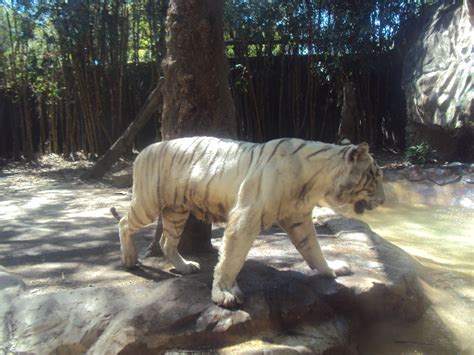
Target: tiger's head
360,183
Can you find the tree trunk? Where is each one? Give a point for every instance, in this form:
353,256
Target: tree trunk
125,141
196,92
349,114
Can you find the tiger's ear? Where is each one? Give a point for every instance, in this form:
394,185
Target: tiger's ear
359,152
344,141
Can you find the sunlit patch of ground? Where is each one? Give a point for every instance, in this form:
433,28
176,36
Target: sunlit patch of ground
56,231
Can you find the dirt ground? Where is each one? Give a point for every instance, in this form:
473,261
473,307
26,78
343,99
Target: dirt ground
56,230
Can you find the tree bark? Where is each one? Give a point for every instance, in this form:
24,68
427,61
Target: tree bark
125,141
196,93
349,113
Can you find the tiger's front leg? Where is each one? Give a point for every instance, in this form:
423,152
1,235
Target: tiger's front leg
303,236
239,235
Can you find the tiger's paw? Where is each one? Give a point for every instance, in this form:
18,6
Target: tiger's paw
340,268
129,258
128,250
335,268
189,267
227,298
330,273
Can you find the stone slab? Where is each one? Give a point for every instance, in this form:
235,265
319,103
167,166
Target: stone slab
175,312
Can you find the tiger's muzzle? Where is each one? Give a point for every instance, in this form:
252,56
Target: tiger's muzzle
361,205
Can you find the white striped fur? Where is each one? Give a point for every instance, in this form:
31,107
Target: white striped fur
250,186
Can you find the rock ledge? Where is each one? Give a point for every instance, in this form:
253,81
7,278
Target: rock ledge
287,305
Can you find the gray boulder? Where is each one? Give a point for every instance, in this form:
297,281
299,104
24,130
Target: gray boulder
438,82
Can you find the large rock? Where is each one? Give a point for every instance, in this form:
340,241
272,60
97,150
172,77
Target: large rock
438,82
446,185
290,306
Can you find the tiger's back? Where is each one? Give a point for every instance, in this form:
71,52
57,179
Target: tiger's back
201,174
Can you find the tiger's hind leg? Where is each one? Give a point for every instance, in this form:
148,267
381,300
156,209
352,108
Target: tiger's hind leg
127,245
134,220
173,226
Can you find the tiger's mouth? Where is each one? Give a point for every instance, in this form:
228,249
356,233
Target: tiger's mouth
360,206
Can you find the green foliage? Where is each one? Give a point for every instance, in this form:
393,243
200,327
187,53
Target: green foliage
241,78
334,28
79,53
49,34
37,39
337,33
418,154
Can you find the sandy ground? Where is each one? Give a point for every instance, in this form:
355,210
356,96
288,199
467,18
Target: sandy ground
56,231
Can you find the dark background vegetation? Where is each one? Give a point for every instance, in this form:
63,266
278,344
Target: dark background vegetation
73,74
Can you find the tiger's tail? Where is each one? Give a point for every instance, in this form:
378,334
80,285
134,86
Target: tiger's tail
116,215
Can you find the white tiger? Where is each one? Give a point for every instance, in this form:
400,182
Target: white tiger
250,186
